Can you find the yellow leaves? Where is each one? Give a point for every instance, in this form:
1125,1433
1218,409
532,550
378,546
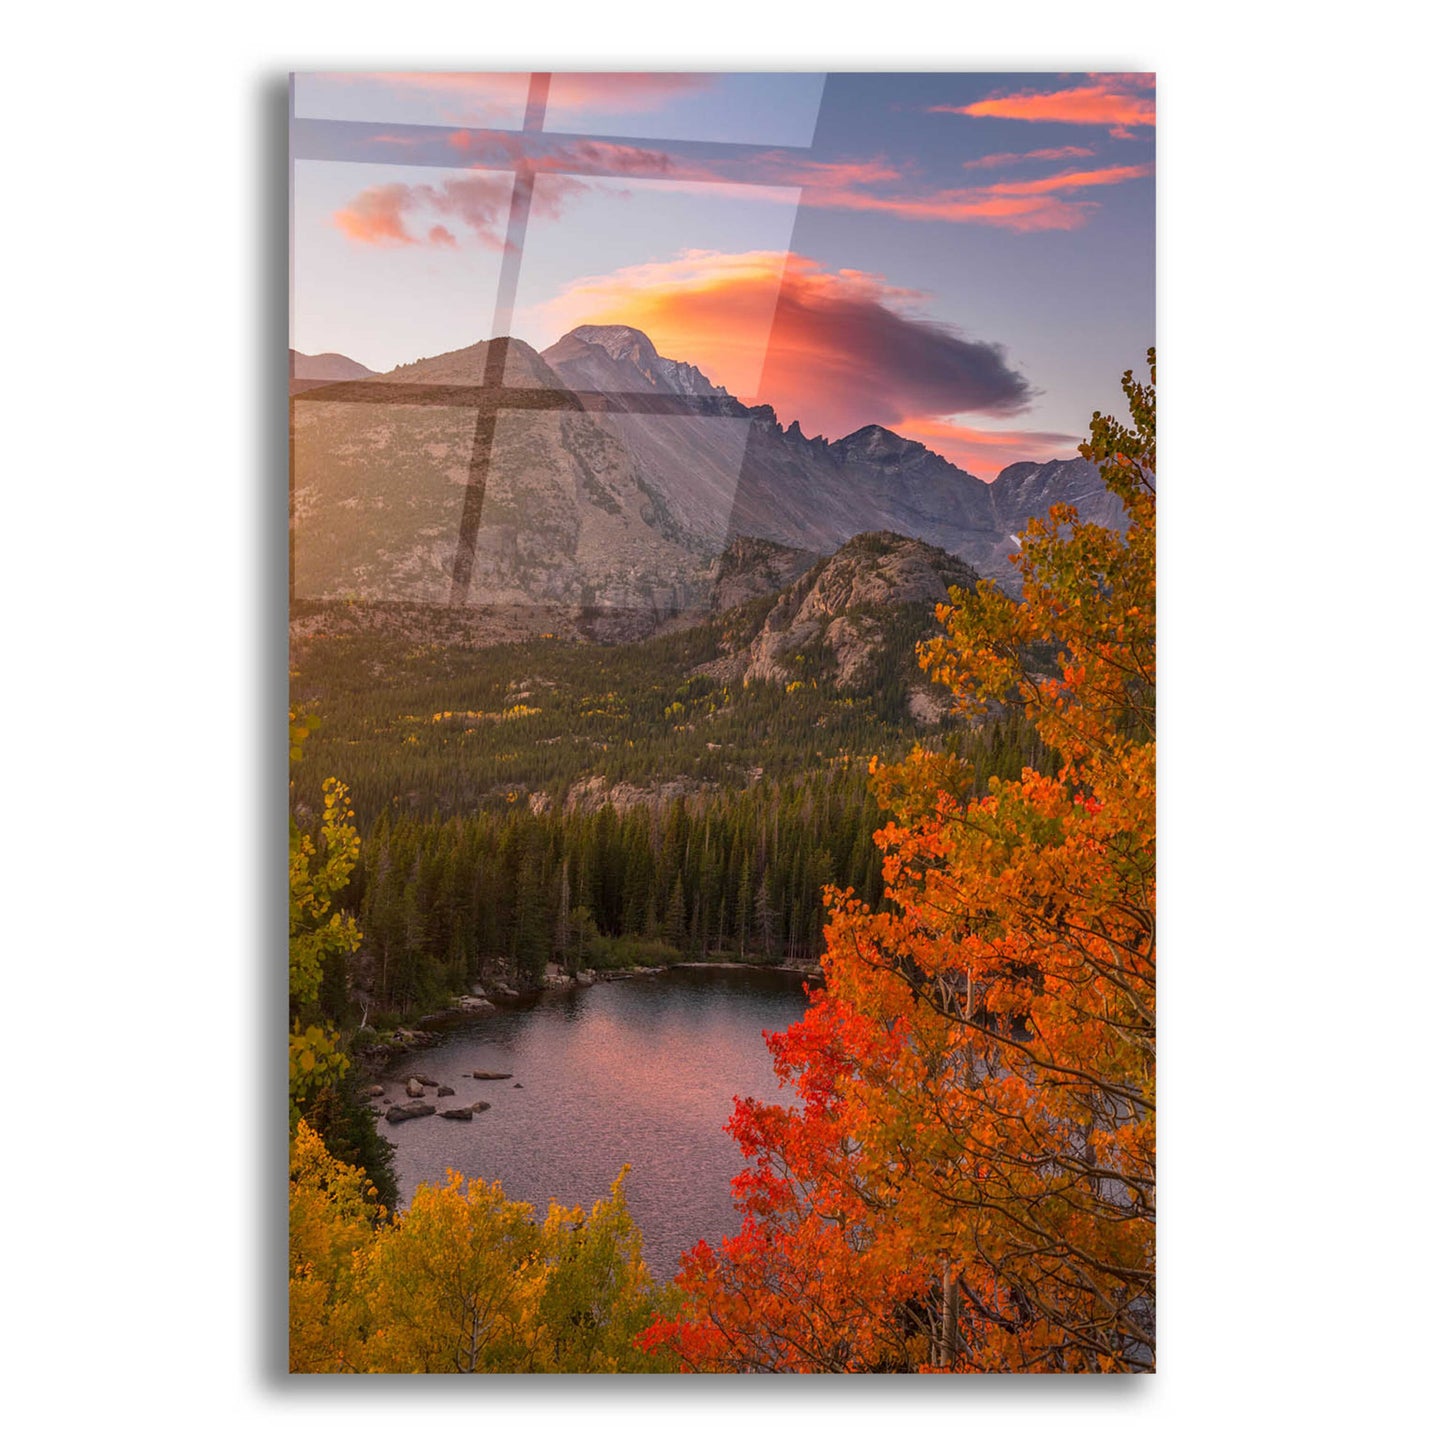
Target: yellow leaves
319,934
465,1281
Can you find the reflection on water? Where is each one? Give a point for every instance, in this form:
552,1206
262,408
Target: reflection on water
642,1071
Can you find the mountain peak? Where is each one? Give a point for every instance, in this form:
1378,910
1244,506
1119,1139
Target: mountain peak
622,358
618,342
467,366
876,443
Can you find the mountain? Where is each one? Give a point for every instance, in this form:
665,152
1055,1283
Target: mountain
565,518
725,470
311,371
614,482
1029,489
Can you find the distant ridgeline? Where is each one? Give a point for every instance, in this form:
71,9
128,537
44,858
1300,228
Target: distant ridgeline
612,480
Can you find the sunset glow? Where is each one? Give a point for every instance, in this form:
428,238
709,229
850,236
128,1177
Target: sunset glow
931,262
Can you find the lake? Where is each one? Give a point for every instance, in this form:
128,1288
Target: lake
641,1070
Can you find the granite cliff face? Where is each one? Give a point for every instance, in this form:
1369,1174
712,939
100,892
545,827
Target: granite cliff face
752,567
851,623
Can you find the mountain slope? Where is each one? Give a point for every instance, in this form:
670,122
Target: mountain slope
1029,489
565,519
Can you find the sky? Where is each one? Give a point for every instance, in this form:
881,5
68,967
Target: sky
967,259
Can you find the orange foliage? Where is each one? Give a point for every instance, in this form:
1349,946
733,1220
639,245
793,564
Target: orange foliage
967,1182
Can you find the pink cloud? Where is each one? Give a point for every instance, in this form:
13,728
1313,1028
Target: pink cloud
621,92
1112,100
1043,203
982,451
468,97
378,216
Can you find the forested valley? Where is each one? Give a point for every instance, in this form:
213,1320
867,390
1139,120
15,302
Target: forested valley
602,806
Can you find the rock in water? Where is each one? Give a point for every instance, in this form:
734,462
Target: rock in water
456,1113
443,1090
414,1089
400,1113
483,1074
480,1105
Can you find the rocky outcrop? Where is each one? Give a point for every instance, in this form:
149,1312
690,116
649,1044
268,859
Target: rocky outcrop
753,567
835,624
591,793
400,1113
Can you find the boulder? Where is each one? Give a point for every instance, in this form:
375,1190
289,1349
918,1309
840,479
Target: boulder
430,1083
483,1074
443,1090
414,1089
456,1113
400,1113
375,1091
480,1105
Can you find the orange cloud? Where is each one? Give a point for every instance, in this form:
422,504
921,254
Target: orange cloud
1008,158
1018,205
983,452
1070,181
836,350
1112,100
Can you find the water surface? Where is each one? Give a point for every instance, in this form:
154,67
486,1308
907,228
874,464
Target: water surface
640,1071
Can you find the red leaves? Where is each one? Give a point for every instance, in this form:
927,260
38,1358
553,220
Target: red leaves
967,1181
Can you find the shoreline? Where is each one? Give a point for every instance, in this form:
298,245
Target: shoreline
406,1040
